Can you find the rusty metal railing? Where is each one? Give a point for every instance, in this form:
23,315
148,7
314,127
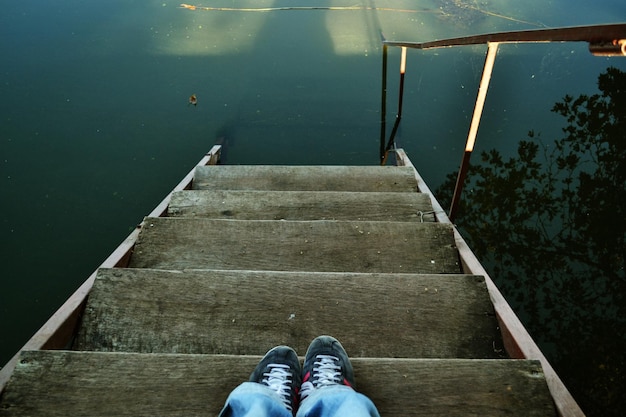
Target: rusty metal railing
603,40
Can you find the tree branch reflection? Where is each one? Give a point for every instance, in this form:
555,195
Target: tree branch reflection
550,226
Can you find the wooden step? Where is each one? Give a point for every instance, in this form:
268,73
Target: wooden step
305,178
246,312
63,383
301,205
325,246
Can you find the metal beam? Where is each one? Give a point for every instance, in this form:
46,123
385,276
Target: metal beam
594,34
490,60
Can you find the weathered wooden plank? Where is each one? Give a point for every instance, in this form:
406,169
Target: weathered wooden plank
301,205
439,387
305,178
342,246
62,383
245,312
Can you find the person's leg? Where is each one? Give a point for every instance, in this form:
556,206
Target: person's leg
254,399
337,401
328,383
272,390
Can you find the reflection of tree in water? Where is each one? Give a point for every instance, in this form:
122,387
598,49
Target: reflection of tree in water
550,224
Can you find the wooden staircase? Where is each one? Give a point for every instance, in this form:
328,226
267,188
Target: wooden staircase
257,256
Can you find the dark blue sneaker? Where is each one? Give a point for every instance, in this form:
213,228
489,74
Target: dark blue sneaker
280,370
326,363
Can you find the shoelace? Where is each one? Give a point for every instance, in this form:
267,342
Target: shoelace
279,379
326,372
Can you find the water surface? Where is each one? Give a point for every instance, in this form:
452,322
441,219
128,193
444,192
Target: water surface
95,126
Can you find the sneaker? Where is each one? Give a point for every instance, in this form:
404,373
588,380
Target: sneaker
280,370
326,363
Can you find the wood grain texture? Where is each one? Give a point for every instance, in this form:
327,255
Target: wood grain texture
325,246
61,383
301,205
245,312
305,178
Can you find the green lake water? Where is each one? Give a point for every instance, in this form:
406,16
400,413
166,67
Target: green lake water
95,126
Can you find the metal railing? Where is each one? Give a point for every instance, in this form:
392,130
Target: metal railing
603,40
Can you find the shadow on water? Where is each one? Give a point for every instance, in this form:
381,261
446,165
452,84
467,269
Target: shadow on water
93,142
293,120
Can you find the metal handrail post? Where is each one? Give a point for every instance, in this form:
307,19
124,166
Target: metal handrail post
383,105
471,137
400,101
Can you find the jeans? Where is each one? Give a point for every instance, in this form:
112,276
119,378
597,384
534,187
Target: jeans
253,399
